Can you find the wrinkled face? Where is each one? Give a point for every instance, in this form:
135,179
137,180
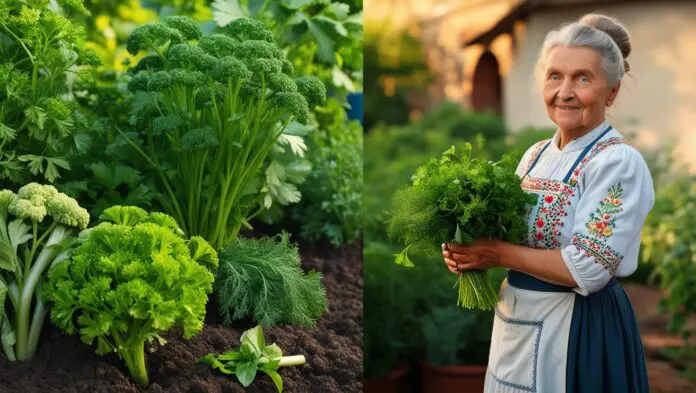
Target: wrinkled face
576,89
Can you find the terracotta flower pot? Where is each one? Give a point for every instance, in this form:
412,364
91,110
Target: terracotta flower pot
452,379
392,383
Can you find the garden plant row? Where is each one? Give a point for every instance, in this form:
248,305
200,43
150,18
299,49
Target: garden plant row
129,194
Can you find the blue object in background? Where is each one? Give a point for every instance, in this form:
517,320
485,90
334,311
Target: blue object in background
356,106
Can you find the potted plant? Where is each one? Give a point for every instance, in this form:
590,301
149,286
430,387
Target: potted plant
456,351
389,323
455,344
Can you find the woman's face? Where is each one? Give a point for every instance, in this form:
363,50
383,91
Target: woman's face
576,89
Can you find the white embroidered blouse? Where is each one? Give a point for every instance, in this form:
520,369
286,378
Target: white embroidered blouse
596,215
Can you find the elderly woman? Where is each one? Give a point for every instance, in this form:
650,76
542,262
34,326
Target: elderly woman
563,323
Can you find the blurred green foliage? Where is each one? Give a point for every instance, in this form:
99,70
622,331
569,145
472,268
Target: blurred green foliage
394,70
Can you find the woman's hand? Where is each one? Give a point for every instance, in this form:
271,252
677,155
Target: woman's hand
481,254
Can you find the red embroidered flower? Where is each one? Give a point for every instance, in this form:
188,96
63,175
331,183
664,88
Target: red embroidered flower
539,235
606,216
540,223
600,225
548,199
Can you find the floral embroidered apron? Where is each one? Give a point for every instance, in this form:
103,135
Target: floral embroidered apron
529,343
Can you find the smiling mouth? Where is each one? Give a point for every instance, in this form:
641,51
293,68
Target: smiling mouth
568,108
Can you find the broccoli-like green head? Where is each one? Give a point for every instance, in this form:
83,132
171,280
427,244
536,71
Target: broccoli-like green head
37,193
35,201
188,78
287,68
230,67
152,35
218,45
188,27
138,83
204,96
159,81
149,62
245,29
199,139
166,124
6,196
266,66
66,211
186,56
279,82
295,103
250,50
312,89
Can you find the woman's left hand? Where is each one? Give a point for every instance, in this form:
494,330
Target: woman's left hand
481,254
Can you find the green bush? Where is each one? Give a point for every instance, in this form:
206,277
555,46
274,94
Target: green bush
331,201
669,244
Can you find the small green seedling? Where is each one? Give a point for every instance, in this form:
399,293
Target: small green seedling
252,356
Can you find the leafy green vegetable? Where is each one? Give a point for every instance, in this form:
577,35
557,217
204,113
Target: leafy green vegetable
253,356
29,245
131,278
263,278
42,53
458,199
210,118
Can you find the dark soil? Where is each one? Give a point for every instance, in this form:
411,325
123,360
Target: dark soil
333,349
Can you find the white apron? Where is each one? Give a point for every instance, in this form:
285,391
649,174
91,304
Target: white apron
529,342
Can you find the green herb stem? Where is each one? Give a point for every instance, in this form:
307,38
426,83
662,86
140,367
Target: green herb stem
9,351
133,354
295,360
44,258
37,322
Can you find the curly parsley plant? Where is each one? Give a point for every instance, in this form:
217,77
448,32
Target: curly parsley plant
131,278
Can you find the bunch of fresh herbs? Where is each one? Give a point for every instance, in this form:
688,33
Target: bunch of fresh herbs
459,199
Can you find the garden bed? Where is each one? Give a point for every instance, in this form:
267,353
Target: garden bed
333,349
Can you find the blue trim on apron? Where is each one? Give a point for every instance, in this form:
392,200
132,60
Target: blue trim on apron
605,352
577,162
525,281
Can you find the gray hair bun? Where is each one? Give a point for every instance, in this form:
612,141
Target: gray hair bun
614,29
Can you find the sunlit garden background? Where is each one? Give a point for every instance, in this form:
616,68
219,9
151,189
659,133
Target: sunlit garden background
443,73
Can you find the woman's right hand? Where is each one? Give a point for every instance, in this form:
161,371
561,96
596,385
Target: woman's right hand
451,263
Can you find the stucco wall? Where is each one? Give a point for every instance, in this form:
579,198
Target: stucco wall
657,100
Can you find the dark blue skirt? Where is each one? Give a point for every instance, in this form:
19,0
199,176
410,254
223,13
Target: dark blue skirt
605,352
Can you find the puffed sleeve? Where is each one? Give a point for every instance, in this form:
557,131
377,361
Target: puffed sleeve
616,195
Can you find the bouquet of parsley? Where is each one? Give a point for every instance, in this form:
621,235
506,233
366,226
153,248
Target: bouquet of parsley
458,199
